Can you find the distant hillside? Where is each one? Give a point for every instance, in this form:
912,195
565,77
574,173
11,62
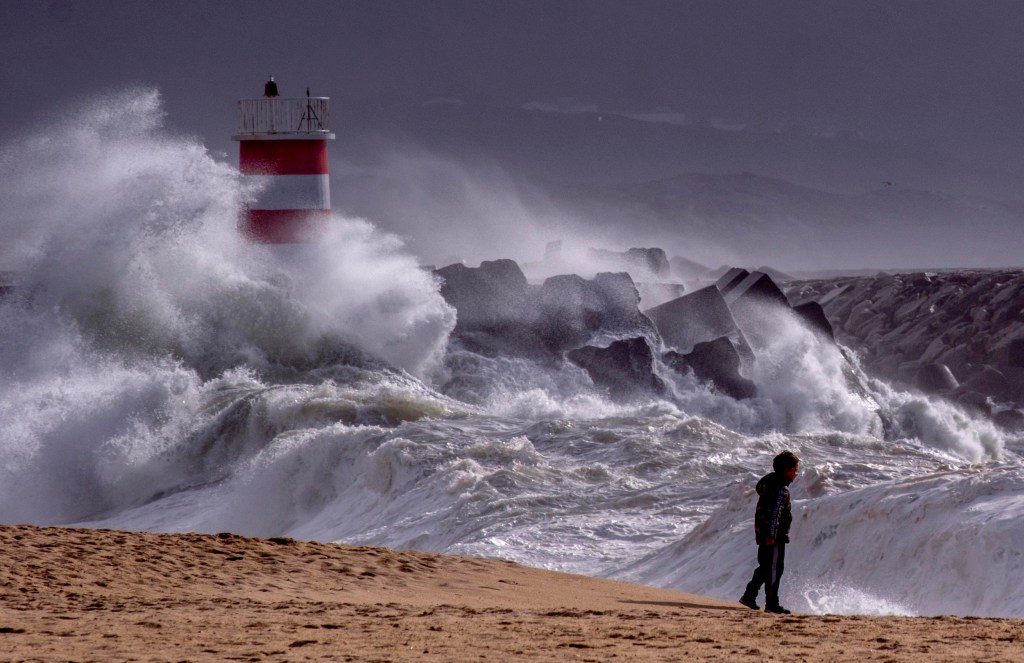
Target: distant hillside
462,179
791,226
608,148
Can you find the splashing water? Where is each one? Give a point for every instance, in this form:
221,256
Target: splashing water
158,373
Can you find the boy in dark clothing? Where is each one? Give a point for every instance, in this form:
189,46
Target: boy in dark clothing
771,530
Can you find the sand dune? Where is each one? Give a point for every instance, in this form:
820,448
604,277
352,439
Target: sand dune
105,595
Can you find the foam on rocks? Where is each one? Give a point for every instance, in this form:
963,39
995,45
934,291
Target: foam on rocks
814,315
625,368
697,317
969,321
716,362
160,372
499,312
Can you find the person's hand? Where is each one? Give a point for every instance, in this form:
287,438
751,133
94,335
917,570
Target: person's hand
770,541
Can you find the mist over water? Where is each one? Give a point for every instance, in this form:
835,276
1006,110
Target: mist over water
137,297
158,373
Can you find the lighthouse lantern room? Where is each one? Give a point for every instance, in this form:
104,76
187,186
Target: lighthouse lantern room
283,150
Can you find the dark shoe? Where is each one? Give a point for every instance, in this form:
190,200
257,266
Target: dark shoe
750,602
777,609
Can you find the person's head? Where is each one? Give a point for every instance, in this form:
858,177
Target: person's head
786,464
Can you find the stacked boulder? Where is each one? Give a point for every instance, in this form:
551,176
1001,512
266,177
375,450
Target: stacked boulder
571,310
596,324
714,331
703,338
625,368
494,306
650,269
716,362
699,316
645,263
957,334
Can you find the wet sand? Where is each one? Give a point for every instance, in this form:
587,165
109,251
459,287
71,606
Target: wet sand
74,594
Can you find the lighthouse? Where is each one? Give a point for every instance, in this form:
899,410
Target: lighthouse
282,149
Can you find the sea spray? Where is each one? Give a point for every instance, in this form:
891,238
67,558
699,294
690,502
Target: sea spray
941,542
158,373
136,297
134,241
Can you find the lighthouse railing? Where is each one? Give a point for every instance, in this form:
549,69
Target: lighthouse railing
304,115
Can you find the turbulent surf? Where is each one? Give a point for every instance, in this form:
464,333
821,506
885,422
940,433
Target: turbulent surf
159,373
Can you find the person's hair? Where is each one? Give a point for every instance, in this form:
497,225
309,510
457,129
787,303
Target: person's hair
785,461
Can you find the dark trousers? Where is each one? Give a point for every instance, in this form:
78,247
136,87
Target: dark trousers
771,560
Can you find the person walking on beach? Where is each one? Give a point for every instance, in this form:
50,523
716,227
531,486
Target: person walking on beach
771,531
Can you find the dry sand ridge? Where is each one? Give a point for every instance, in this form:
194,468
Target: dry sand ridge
75,594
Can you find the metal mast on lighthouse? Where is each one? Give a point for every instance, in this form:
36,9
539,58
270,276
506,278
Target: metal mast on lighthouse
283,149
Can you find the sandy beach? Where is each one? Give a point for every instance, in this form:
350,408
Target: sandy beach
75,594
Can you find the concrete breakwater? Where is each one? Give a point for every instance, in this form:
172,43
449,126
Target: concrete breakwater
960,334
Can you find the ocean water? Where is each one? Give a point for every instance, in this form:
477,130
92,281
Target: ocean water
157,373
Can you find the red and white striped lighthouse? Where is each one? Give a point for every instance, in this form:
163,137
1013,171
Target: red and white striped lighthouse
282,147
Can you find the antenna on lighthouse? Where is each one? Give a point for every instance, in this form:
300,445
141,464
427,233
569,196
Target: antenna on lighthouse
309,115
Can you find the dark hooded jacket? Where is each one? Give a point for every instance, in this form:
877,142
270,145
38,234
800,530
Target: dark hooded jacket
774,515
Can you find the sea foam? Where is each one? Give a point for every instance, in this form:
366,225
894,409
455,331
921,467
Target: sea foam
158,373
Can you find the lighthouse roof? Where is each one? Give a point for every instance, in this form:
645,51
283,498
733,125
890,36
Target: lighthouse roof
284,119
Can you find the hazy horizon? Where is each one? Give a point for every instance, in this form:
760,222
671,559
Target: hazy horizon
804,135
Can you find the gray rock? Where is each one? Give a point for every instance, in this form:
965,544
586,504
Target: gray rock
974,401
1012,420
859,314
935,379
904,311
1015,377
906,372
625,368
716,362
732,277
643,263
885,365
755,286
573,309
653,294
696,318
495,309
957,359
777,275
992,382
832,294
498,312
485,296
1012,353
759,308
934,349
814,315
1004,296
964,319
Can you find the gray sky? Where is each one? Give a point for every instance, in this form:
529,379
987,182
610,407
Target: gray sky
947,74
839,96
